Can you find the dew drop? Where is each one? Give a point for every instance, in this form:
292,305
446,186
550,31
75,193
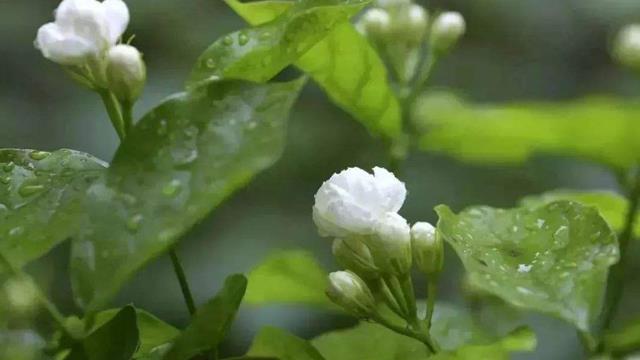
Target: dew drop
8,166
5,179
28,189
134,222
243,39
228,40
265,35
39,155
16,231
172,188
211,63
162,127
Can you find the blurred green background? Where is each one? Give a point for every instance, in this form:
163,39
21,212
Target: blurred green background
514,50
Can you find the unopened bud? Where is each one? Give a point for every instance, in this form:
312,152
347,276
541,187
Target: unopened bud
375,22
126,72
446,30
417,19
353,254
427,248
626,48
391,245
350,292
21,295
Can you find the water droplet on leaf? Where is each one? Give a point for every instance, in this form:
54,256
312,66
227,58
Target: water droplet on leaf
38,155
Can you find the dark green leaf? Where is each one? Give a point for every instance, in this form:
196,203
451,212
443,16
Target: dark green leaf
260,53
553,259
289,277
346,66
273,342
211,322
39,199
624,340
179,162
600,129
521,339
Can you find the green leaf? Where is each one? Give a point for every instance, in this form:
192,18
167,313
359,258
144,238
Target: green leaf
260,53
522,339
273,342
624,340
553,259
154,332
117,339
346,66
211,322
39,199
289,277
612,206
178,163
600,129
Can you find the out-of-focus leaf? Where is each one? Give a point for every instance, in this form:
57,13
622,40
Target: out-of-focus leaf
117,339
553,259
211,322
39,199
153,331
346,66
599,129
612,206
522,339
20,345
260,53
288,277
624,340
178,163
273,342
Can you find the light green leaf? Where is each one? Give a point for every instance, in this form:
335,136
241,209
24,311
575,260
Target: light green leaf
553,259
522,339
153,331
260,53
211,322
289,277
346,66
273,342
178,163
600,129
624,340
39,199
612,206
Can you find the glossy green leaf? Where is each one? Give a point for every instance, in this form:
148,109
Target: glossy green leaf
117,339
260,53
346,66
624,340
612,206
178,163
288,277
273,342
519,340
211,322
553,259
600,129
39,199
154,332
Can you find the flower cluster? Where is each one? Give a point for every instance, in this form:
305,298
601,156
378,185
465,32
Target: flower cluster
375,244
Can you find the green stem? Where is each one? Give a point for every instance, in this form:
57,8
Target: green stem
424,338
114,112
409,296
616,276
390,299
396,290
127,116
432,293
182,279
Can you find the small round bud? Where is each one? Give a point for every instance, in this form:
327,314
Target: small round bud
391,245
21,295
75,326
350,292
353,254
446,30
417,20
427,248
626,48
375,21
126,72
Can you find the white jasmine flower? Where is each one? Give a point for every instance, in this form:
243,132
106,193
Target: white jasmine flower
83,29
353,201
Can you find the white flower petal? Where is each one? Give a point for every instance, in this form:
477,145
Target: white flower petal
56,46
393,190
117,17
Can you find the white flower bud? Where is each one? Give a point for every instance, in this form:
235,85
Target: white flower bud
627,46
351,293
353,254
446,30
391,245
21,295
427,248
126,72
374,21
352,202
82,30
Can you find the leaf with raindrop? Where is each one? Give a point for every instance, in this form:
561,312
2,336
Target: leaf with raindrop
552,259
346,66
178,163
40,196
259,53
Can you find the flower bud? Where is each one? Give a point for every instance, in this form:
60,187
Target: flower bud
392,3
350,292
626,48
353,254
391,245
375,21
126,72
446,30
21,295
427,248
